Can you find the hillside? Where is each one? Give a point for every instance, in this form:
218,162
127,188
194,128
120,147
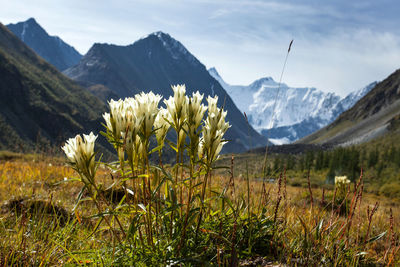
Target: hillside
373,116
155,63
51,48
39,105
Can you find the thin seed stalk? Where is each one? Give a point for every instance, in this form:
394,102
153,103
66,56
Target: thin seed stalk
248,204
150,198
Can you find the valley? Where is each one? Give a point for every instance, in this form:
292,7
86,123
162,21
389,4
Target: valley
182,168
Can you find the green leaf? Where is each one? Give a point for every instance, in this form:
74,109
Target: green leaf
78,200
158,187
134,225
172,145
95,227
120,203
158,148
372,239
143,207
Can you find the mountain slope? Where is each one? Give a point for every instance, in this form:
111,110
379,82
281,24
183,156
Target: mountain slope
51,48
37,103
372,116
155,63
285,114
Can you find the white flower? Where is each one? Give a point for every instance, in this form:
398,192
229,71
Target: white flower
213,131
88,144
161,124
116,120
147,109
123,122
179,94
195,112
341,180
176,106
71,148
80,153
212,104
107,118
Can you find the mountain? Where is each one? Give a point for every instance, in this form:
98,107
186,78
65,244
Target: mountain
298,111
154,63
51,48
374,115
39,106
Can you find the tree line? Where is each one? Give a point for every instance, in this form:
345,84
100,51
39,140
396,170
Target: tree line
340,161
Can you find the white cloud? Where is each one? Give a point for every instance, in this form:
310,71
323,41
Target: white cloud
339,45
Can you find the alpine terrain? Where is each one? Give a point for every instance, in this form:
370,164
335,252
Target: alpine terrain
285,114
38,104
51,48
374,115
154,63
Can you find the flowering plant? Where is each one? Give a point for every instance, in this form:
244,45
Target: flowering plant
130,125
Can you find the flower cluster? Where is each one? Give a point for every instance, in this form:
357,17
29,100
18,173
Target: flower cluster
176,107
195,111
131,125
161,125
131,122
339,180
215,126
80,153
147,110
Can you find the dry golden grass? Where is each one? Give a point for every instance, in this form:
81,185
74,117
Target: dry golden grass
39,178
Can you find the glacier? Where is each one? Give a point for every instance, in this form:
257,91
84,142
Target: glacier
285,114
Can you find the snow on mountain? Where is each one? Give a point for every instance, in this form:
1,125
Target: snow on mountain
353,97
285,114
273,106
154,63
236,92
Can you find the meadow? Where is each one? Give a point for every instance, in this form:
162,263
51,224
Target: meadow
203,209
264,223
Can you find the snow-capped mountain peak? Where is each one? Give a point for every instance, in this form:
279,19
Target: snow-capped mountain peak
289,112
266,82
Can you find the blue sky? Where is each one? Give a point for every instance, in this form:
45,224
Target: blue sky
339,46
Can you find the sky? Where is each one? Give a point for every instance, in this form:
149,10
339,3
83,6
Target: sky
339,45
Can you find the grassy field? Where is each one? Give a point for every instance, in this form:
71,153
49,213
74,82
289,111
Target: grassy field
245,221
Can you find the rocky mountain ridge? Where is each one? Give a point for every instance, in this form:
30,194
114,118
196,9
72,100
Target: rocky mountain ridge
285,114
52,48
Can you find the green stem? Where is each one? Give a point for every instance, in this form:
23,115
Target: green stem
112,210
202,201
176,178
188,205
